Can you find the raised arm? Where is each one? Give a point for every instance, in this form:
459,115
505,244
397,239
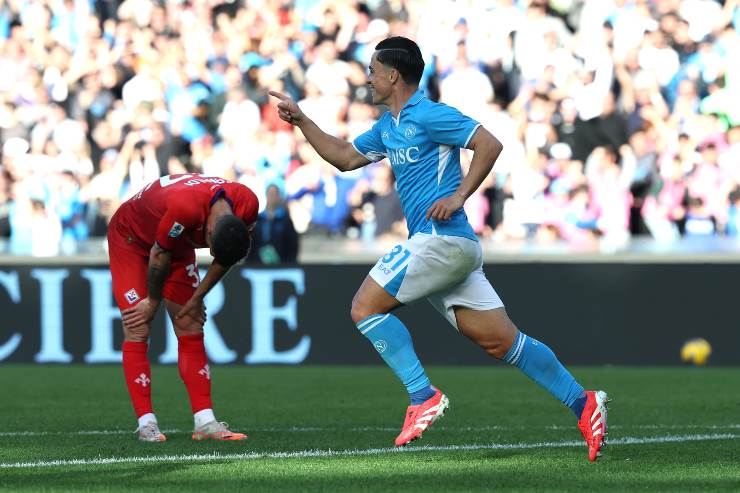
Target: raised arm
337,152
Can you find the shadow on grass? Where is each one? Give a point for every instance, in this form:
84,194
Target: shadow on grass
497,471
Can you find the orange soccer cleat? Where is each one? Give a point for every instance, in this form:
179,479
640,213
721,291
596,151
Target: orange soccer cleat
216,430
421,417
593,422
150,433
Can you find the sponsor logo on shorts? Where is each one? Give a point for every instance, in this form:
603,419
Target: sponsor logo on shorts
380,345
176,229
131,296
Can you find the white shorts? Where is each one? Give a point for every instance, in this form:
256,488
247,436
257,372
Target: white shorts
447,270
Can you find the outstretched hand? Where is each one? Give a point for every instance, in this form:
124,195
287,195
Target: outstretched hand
288,109
443,209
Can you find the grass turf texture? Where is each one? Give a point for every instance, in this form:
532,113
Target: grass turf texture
339,409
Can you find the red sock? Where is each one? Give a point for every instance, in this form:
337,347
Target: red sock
193,364
138,376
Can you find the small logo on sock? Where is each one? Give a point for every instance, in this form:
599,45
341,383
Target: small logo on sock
380,345
143,380
205,371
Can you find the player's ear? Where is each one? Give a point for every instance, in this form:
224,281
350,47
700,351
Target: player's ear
393,75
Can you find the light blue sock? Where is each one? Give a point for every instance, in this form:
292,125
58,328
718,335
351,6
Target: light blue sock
539,363
392,340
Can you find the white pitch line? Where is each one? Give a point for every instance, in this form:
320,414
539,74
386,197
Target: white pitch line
310,429
346,453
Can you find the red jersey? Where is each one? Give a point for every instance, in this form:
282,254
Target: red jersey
173,210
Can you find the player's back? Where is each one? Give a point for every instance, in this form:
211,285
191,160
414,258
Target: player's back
185,200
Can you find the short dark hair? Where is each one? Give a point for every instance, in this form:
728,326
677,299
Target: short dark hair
231,240
403,55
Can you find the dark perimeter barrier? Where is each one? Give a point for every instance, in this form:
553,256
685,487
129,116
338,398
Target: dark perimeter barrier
589,313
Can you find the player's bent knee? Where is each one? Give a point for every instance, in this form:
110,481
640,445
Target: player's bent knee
496,349
179,332
361,311
498,344
188,328
136,334
358,309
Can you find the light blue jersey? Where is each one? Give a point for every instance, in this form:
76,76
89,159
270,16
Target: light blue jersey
423,145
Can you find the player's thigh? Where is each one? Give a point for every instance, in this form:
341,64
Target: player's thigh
182,279
187,324
128,270
476,310
179,287
425,264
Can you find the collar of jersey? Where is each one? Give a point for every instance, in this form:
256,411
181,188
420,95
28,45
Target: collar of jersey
413,100
221,194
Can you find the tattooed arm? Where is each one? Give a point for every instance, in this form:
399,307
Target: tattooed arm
159,268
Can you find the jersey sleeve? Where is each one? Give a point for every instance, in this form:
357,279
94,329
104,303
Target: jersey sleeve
370,144
252,208
178,217
448,126
243,201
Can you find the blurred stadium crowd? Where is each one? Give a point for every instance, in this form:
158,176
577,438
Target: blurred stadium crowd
618,117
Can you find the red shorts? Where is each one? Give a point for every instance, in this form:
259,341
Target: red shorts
129,263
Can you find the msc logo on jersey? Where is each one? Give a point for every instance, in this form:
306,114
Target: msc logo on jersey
410,132
403,156
131,296
176,229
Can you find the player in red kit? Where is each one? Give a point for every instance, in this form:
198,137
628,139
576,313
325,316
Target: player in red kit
152,239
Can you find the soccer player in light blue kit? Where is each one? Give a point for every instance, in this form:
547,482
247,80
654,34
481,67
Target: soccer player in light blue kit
442,259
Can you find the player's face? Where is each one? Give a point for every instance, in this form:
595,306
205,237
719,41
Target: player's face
378,79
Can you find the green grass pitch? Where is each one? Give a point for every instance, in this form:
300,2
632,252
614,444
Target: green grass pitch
70,428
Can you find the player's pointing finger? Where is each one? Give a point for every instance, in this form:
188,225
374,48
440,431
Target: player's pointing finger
280,96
